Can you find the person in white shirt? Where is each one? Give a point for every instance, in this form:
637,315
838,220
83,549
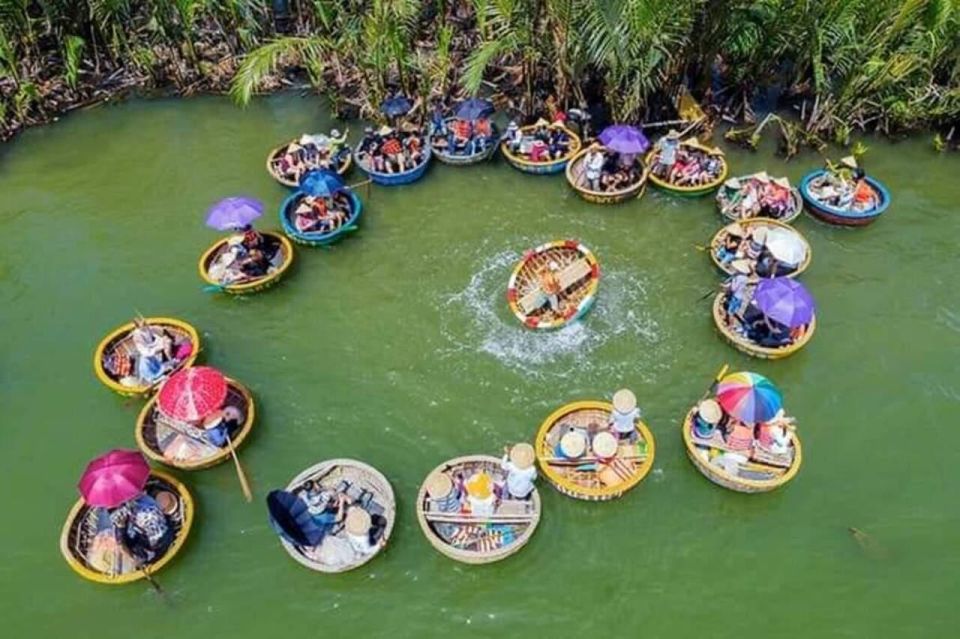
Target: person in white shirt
625,414
594,162
518,463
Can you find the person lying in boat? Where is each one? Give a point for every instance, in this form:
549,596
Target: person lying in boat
144,529
623,418
550,285
518,463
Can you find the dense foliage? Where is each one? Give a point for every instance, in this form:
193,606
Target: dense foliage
872,64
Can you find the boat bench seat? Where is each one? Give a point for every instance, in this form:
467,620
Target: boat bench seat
569,276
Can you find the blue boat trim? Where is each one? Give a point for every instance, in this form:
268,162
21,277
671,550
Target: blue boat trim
318,239
843,214
395,179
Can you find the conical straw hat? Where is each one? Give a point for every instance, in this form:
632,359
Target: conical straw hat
849,161
573,444
522,455
624,400
439,485
605,445
357,521
542,122
710,411
782,181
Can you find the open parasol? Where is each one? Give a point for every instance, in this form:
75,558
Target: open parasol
749,397
785,300
192,394
321,183
474,109
233,213
291,519
113,478
396,106
626,139
785,245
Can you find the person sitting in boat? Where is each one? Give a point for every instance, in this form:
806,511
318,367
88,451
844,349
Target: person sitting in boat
541,131
738,436
864,196
364,531
144,528
623,418
776,435
727,251
513,137
708,417
154,351
739,292
753,244
337,147
769,333
482,135
517,462
392,150
438,121
221,425
480,494
413,149
254,264
458,136
550,285
667,147
559,143
291,164
776,199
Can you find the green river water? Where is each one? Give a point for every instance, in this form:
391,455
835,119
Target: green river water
396,347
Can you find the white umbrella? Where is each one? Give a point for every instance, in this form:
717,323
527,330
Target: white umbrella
786,246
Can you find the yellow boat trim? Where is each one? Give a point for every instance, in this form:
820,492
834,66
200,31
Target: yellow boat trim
208,462
725,479
760,221
136,391
93,575
575,145
572,488
255,285
701,188
745,346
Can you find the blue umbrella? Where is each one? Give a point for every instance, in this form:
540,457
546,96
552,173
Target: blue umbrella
474,109
292,520
233,213
396,106
321,183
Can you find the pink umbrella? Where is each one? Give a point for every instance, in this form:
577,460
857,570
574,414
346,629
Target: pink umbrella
192,394
114,478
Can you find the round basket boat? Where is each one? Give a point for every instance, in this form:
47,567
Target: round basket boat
761,474
576,176
726,194
86,526
343,165
744,345
469,537
364,485
844,217
541,168
324,238
281,263
578,275
588,476
695,190
119,343
183,446
758,222
460,159
397,179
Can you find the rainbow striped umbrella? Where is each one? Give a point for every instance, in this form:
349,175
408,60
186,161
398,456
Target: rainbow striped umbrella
749,397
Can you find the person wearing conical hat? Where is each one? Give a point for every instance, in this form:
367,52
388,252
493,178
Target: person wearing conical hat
667,146
357,526
625,413
707,418
480,495
521,471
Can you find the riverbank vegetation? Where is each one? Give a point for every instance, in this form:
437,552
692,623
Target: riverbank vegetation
838,65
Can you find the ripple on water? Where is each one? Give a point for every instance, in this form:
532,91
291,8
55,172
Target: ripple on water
477,319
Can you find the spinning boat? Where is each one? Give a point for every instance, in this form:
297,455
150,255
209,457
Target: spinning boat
577,275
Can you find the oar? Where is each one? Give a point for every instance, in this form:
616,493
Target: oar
706,295
716,380
153,582
244,485
213,288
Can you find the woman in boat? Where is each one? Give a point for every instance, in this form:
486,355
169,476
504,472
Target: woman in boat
625,413
144,528
155,351
517,462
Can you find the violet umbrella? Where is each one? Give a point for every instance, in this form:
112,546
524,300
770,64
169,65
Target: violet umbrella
233,213
626,139
113,478
785,300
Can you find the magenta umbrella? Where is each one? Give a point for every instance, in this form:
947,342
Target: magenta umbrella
234,213
785,300
626,139
114,478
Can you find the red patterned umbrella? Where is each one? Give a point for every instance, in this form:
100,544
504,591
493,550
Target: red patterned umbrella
114,478
192,394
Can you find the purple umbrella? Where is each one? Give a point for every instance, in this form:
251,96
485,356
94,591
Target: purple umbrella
785,300
233,213
624,138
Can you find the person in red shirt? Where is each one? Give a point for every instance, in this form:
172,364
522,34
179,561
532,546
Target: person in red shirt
393,150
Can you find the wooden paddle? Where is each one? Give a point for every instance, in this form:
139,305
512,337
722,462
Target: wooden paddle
716,380
242,476
153,582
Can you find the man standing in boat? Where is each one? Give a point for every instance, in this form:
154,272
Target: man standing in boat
550,285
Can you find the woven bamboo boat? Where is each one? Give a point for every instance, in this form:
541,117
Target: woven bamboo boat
541,168
744,345
589,477
458,159
155,435
120,342
397,179
726,194
318,238
480,539
253,285
84,522
754,477
844,217
578,273
576,176
345,161
722,234
359,479
689,191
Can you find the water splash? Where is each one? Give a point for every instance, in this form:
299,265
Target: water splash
477,319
